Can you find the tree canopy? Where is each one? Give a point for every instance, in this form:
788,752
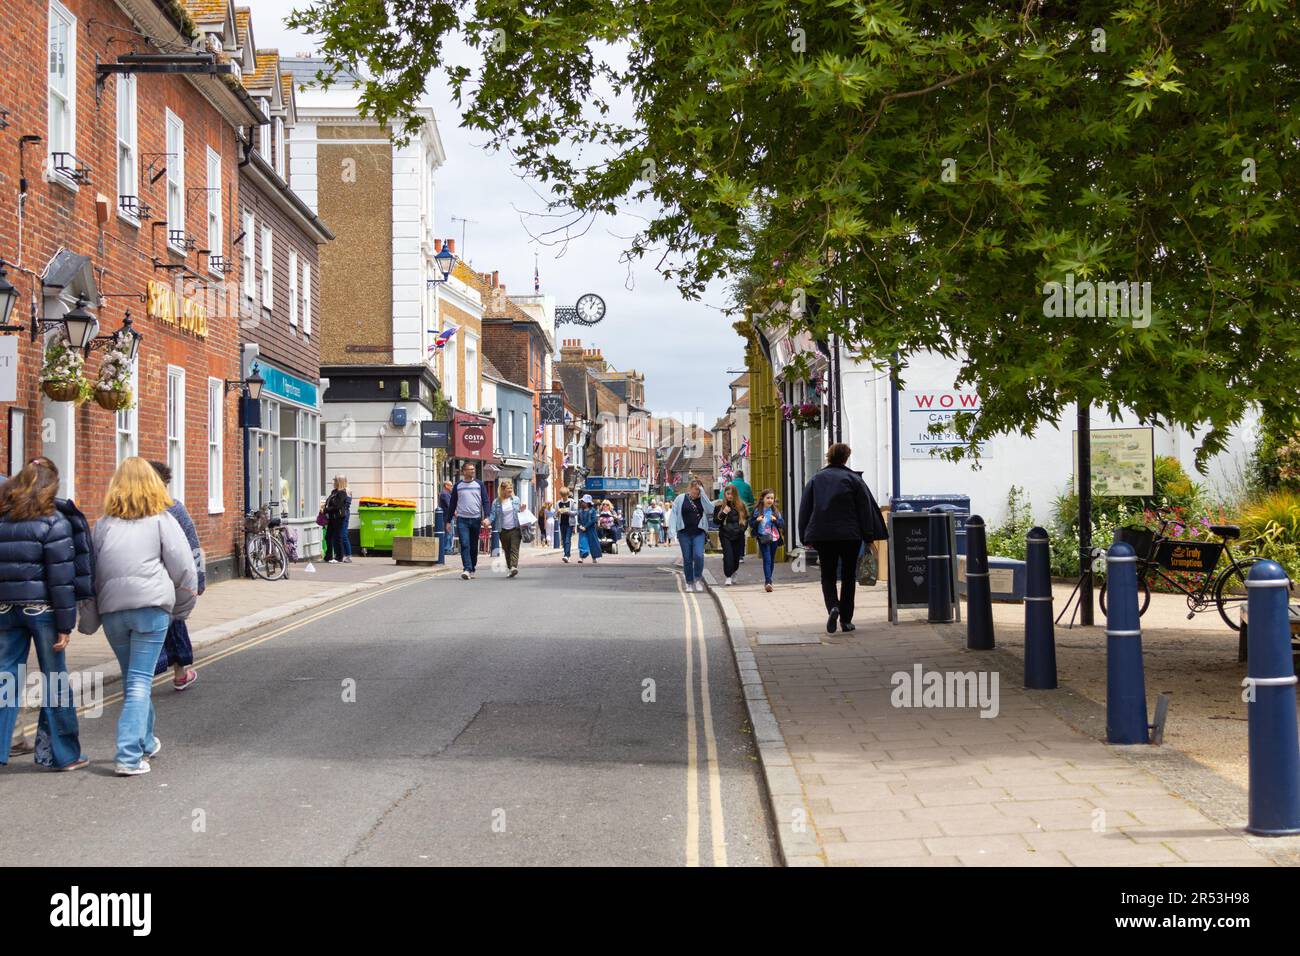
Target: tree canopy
924,170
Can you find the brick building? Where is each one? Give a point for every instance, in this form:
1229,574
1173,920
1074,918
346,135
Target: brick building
279,303
118,190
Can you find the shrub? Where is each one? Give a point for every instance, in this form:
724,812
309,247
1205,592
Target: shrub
1281,508
1173,488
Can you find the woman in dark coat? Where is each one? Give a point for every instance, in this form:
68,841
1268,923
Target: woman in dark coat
178,652
837,517
38,603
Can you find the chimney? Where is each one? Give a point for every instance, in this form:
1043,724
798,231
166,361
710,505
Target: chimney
571,352
451,246
494,278
437,246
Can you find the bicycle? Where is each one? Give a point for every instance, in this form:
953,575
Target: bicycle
265,554
1156,553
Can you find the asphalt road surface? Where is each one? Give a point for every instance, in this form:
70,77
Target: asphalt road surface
562,717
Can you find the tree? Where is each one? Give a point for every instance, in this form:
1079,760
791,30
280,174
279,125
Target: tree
923,170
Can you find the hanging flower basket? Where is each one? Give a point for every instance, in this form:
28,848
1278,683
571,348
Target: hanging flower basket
803,416
115,400
62,391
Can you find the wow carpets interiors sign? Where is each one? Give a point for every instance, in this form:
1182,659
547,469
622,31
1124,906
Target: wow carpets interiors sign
920,410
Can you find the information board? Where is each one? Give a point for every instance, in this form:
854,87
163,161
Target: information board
1123,462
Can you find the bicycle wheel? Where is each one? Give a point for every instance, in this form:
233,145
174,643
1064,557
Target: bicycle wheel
266,558
1230,592
1144,596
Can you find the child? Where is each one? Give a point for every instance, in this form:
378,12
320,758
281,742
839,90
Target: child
767,525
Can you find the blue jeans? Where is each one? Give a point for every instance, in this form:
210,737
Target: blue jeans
768,550
566,537
136,637
692,545
467,532
344,539
57,741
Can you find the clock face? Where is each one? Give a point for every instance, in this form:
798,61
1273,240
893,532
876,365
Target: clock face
591,307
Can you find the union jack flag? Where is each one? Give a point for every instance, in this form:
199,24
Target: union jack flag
443,338
744,447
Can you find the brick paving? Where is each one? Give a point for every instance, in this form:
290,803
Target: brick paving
926,786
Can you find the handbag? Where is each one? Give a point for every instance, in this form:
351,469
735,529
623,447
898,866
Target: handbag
868,567
321,519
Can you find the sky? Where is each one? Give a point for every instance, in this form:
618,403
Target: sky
684,348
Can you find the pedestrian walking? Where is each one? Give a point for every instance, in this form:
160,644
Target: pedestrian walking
505,522
469,509
566,510
654,519
768,527
444,529
336,518
144,576
588,538
38,604
837,516
690,524
742,488
178,652
732,517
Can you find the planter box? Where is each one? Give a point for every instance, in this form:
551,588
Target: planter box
412,550
1006,578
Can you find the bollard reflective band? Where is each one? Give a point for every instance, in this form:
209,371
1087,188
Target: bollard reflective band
1132,560
938,557
1267,681
1271,583
977,574
1036,597
1123,633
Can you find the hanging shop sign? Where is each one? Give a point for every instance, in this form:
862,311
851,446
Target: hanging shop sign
186,313
922,409
8,368
472,438
435,433
552,408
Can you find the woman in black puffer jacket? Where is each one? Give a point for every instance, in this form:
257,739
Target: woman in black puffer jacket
38,603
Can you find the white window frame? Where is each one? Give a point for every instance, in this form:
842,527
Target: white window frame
175,427
268,268
264,131
306,297
293,288
510,446
175,187
248,253
127,421
216,446
216,226
59,14
128,155
278,145
471,375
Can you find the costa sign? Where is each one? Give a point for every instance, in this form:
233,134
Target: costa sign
472,439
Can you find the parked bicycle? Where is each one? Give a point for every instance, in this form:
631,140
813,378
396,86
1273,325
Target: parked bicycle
266,551
1158,553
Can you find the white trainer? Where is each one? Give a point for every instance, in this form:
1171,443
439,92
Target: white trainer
727,582
124,771
699,586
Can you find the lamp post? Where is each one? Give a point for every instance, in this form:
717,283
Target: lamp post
8,299
251,387
445,260
114,338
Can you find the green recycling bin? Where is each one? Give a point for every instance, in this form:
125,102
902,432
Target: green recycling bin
383,519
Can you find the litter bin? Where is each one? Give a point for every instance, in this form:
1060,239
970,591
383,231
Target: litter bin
383,519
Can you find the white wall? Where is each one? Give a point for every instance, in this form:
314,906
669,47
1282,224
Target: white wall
1041,464
379,459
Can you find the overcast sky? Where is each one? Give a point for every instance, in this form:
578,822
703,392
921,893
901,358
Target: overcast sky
684,348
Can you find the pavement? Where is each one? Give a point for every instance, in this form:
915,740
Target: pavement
576,714
865,773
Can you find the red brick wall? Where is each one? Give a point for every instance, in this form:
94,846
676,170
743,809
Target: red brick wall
56,217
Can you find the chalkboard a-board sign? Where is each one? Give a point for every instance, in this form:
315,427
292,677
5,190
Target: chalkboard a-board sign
909,551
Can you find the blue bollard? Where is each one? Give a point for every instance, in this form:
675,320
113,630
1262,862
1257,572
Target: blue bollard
938,568
1040,630
439,525
1126,690
979,598
1271,702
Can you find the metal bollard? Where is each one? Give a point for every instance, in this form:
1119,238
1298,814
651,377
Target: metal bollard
1271,703
1040,631
1126,691
939,568
979,599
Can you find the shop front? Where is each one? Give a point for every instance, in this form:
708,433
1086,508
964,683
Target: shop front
623,492
282,452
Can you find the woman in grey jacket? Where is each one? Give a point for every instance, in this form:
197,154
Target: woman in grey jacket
144,576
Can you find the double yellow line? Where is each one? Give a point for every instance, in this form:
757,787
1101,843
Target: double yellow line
693,627
262,639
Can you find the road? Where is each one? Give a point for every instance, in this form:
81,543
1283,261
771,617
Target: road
562,717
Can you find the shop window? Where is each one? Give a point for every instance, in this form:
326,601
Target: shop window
288,490
176,429
216,433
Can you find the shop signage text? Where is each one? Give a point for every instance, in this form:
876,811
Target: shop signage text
187,314
921,409
472,439
284,385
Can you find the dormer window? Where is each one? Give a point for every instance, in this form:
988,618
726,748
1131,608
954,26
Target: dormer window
264,131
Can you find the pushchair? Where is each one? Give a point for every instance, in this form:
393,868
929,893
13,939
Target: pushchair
607,533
